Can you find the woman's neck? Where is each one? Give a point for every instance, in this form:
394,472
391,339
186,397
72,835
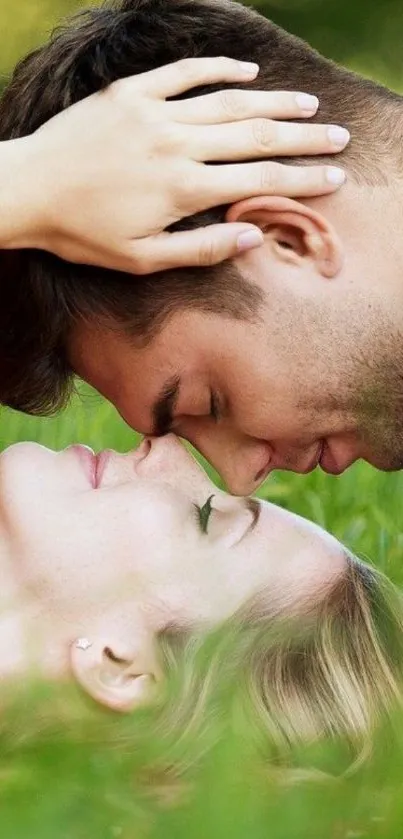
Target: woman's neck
20,618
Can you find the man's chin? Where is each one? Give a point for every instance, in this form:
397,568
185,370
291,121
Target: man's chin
384,465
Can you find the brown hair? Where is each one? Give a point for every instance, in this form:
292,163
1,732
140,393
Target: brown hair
42,296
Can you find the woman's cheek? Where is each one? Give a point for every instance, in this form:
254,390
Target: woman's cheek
159,515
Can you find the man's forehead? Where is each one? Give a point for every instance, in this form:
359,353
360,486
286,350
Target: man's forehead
142,382
186,337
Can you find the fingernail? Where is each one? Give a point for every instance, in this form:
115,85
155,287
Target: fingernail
307,102
250,239
249,67
338,136
335,175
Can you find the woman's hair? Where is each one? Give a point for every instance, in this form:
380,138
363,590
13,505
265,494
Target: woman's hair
335,671
267,684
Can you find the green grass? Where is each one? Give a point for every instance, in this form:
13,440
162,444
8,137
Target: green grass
71,776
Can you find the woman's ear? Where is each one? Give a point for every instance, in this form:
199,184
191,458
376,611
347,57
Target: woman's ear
294,232
111,675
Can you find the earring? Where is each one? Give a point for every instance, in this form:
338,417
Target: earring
83,644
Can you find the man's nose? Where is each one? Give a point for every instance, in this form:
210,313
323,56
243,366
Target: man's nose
241,461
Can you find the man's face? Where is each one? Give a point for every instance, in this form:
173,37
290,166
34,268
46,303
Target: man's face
313,380
220,385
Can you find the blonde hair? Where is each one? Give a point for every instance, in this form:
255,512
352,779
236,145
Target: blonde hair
336,671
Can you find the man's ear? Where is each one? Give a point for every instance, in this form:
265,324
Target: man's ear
116,675
294,232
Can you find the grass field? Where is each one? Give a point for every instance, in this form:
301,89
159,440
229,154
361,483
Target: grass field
97,776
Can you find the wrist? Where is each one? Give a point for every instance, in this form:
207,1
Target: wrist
22,195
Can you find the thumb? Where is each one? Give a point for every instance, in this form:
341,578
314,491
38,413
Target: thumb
203,246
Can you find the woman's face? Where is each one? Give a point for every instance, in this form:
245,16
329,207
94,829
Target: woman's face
120,546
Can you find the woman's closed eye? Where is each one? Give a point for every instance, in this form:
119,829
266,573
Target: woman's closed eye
203,514
240,519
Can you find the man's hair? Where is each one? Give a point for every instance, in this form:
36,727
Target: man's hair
43,296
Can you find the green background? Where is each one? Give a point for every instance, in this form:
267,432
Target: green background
93,792
366,35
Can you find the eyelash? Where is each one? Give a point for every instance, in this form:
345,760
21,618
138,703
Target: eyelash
203,514
215,411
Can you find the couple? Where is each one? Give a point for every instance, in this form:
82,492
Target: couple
287,356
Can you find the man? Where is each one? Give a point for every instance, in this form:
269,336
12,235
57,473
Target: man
289,356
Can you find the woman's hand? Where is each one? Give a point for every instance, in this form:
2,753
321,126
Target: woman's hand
101,181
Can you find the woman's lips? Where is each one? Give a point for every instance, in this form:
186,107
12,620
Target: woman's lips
101,462
87,460
95,465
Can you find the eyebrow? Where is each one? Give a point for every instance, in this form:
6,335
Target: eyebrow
164,406
253,506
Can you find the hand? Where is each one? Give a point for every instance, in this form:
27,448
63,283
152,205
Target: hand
113,171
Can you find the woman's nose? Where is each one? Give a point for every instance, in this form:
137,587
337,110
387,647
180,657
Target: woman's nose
167,458
165,448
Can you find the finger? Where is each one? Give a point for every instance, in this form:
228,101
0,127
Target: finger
201,247
183,75
262,138
231,104
218,185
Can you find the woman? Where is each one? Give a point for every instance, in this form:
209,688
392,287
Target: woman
114,566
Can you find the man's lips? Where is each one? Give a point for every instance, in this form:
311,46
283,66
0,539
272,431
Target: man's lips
314,461
334,457
301,467
334,461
